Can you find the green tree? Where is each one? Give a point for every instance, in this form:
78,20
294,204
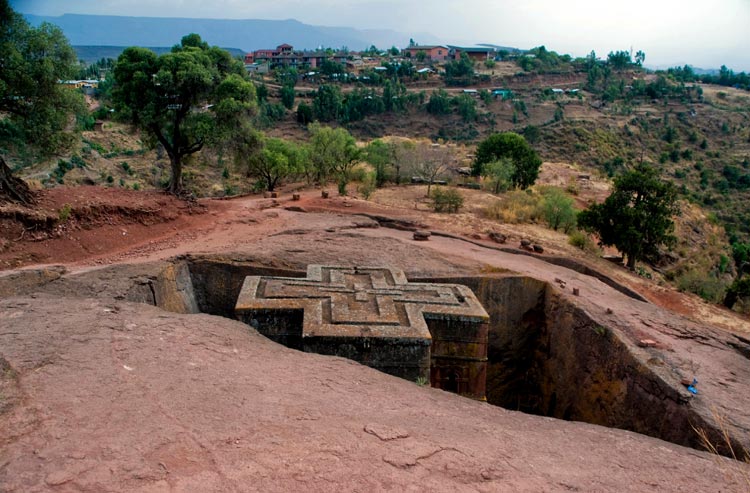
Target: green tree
467,107
381,156
637,217
485,96
461,68
333,153
304,114
261,92
500,172
640,57
439,103
619,59
328,104
329,68
34,108
272,161
558,210
388,95
184,99
740,288
287,96
741,256
515,147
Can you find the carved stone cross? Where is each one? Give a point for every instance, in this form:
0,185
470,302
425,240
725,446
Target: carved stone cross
375,316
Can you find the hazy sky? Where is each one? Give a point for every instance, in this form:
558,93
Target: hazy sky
703,33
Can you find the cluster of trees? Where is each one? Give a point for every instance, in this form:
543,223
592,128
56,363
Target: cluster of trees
392,161
329,154
459,72
374,51
602,79
725,77
331,104
441,103
541,60
620,60
95,70
740,287
332,154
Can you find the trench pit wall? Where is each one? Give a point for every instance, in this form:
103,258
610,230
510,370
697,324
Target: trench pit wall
546,356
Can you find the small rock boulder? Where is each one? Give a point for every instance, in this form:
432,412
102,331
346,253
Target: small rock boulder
497,237
422,235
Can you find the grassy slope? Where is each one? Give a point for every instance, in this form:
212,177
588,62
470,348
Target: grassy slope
588,138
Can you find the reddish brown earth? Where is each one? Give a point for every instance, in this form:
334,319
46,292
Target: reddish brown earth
101,395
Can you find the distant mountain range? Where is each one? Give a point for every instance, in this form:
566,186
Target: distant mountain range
245,35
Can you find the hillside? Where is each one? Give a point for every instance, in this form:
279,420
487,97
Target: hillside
697,135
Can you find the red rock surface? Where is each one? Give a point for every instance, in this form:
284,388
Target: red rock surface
101,395
121,397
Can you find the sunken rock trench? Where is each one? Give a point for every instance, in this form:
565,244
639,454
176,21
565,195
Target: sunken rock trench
545,355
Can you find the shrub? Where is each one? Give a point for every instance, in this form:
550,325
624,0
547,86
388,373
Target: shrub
739,289
64,213
558,210
516,207
304,114
581,240
446,200
287,96
367,187
77,161
707,286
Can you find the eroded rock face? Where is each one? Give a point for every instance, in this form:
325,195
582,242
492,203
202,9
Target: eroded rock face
127,397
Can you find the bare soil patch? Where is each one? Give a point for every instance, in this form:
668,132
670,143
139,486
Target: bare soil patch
69,224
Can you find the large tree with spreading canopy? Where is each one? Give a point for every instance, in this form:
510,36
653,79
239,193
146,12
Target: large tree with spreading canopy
184,100
35,108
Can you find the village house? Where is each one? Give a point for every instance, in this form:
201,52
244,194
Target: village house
435,53
88,86
285,56
478,54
